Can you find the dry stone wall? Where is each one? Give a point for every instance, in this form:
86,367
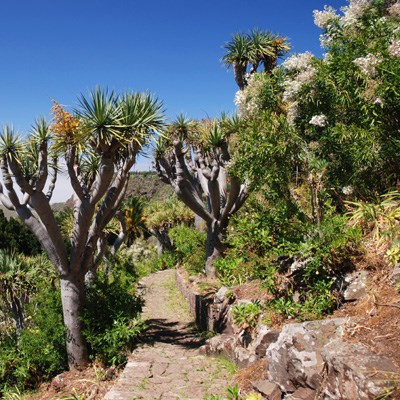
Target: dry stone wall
304,361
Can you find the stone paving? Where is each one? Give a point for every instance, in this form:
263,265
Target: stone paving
168,365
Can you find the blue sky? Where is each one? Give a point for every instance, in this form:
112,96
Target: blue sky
59,49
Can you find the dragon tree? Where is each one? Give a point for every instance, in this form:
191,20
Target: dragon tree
99,143
194,158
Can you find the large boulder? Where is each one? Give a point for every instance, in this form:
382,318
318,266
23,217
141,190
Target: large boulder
294,360
354,372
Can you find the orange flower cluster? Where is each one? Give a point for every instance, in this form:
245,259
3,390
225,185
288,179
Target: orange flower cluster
65,124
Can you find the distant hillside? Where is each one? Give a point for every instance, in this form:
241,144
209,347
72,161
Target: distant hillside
149,185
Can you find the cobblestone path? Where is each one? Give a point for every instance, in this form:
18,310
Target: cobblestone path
168,366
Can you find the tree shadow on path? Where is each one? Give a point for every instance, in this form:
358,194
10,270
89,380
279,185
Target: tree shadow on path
172,332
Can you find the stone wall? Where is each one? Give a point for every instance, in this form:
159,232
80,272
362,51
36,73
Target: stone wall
304,361
198,305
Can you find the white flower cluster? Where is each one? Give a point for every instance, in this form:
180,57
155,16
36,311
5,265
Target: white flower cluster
240,100
354,11
368,64
298,62
318,120
394,48
347,190
325,40
293,86
302,65
247,100
394,9
323,18
292,112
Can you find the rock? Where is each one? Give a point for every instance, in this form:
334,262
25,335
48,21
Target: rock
269,389
354,372
227,346
219,345
294,360
356,285
220,296
58,382
264,338
396,273
245,338
302,394
242,357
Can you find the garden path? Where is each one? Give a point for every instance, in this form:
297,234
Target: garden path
168,365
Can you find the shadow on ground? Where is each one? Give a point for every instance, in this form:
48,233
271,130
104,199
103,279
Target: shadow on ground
162,330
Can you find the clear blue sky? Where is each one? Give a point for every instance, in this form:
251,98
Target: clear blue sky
59,49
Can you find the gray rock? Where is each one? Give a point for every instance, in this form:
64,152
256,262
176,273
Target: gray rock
220,296
396,273
219,345
354,372
356,285
242,357
302,394
294,360
228,346
263,339
269,389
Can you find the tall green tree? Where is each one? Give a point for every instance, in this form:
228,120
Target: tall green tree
107,128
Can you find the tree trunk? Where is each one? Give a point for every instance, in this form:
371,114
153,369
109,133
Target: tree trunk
215,248
163,240
72,297
17,314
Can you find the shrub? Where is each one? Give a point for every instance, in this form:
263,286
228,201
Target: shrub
111,318
246,315
190,247
39,353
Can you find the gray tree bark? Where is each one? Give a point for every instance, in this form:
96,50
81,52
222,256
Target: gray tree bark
201,180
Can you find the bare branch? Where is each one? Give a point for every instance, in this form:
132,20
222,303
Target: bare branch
70,161
43,167
53,181
19,176
104,177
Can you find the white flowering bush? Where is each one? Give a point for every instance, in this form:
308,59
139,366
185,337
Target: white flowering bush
260,93
324,18
347,102
354,11
299,62
368,64
329,134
